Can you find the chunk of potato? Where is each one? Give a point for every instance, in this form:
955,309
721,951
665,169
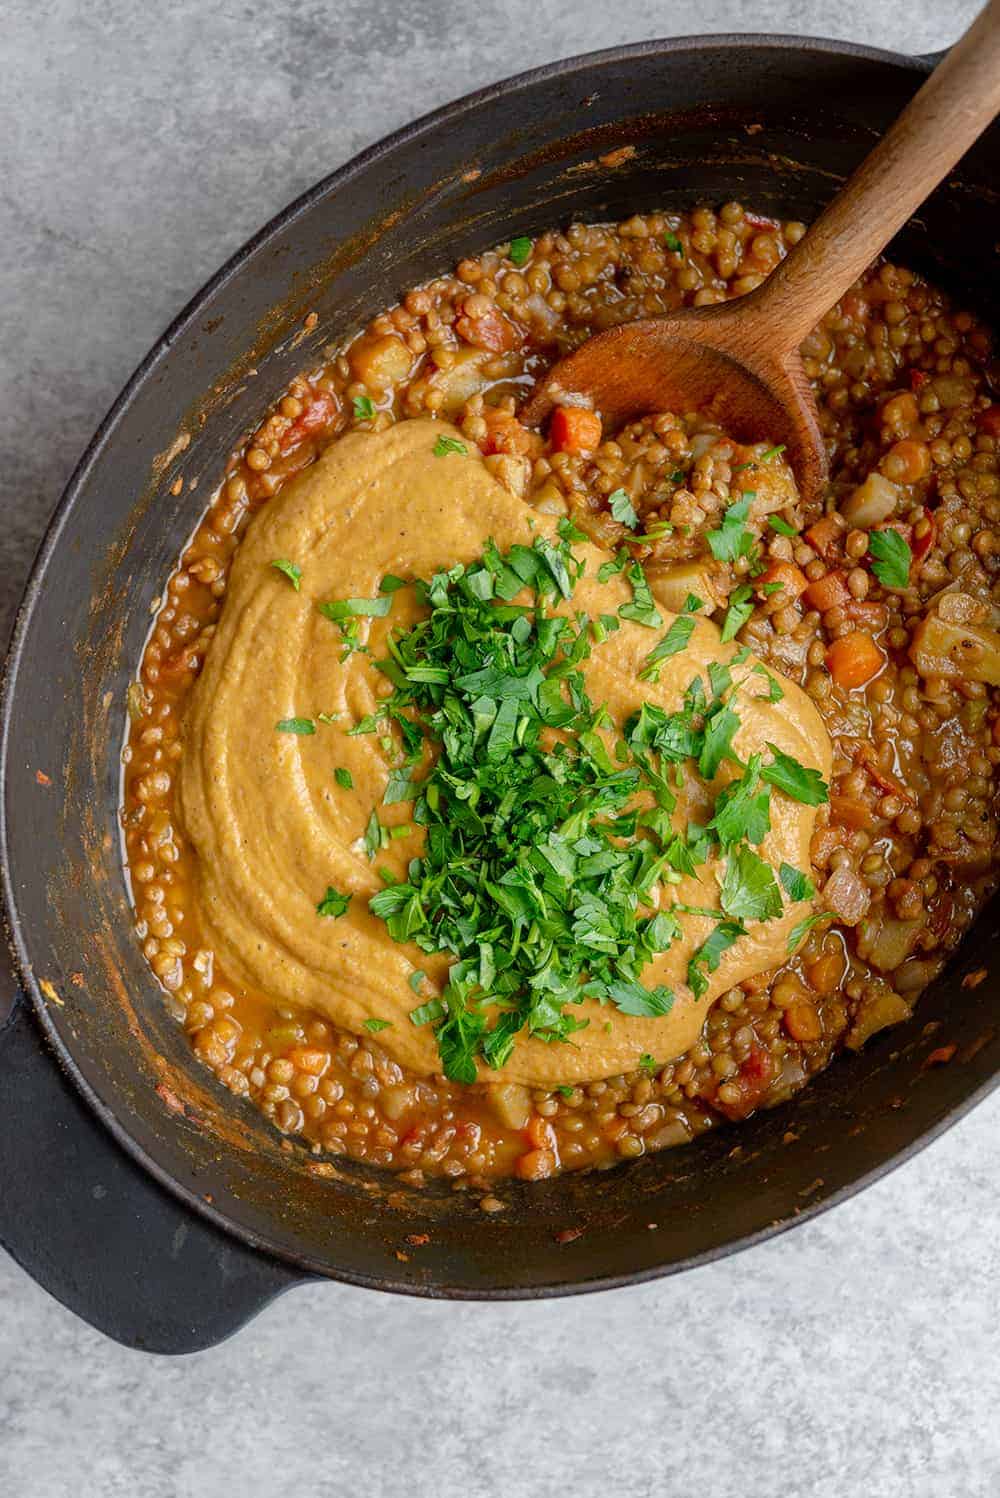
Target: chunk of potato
871,502
876,1013
672,585
381,362
513,473
942,648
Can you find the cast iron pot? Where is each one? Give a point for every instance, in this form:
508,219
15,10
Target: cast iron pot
198,1213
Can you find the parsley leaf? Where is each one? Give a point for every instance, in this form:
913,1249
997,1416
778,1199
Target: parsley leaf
800,928
642,608
364,408
732,540
674,641
296,725
891,558
742,811
291,571
333,903
520,249
708,956
445,445
749,890
796,885
391,584
350,608
375,1025
718,744
779,524
802,784
739,611
622,509
672,243
645,1003
344,778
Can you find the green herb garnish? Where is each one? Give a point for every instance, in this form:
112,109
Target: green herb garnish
739,611
344,778
445,445
333,903
802,784
779,524
891,559
672,243
732,540
364,407
291,571
375,1025
520,249
296,725
622,509
339,609
796,885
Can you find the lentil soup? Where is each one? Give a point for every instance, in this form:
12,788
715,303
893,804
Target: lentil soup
880,607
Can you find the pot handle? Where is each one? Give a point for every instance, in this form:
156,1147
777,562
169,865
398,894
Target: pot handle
96,1231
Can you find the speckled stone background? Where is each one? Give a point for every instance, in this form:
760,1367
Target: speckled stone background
855,1358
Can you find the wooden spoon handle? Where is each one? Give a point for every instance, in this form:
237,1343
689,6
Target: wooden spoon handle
936,128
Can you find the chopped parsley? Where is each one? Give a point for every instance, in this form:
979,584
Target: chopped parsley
391,584
891,559
807,786
672,243
732,540
779,524
674,641
344,778
801,928
548,853
296,725
445,445
520,249
622,509
291,571
364,407
339,609
333,903
375,1025
739,611
796,884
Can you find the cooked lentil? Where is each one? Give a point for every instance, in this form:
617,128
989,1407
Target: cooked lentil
905,853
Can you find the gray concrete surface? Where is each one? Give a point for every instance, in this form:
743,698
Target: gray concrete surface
140,145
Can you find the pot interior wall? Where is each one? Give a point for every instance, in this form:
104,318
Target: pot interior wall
676,127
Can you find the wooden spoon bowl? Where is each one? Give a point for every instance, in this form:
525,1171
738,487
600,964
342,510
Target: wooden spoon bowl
738,361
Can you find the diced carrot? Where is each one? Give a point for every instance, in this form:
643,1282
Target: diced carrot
941,1056
491,331
574,430
540,1132
306,1059
850,811
907,462
824,534
826,974
826,593
988,421
792,580
854,659
536,1165
802,1022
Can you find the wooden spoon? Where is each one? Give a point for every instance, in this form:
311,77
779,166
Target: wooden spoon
739,361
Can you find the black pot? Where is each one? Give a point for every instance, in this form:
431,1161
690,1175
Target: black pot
204,1213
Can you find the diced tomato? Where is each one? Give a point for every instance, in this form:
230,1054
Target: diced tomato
824,535
850,811
491,331
923,535
319,412
573,430
752,1080
918,379
829,592
505,434
988,421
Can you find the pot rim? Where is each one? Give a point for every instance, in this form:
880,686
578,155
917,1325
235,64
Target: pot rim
370,156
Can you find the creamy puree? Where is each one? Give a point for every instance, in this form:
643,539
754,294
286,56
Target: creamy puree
271,827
